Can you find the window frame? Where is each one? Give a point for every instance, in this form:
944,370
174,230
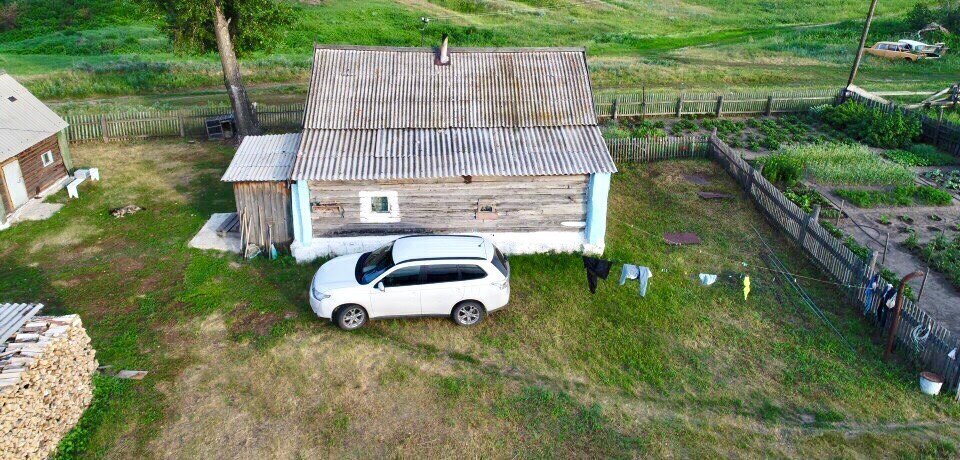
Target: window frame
368,216
43,158
418,282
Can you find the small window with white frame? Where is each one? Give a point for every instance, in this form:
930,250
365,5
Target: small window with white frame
47,158
379,207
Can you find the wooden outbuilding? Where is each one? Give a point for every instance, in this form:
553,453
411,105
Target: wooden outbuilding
34,150
260,173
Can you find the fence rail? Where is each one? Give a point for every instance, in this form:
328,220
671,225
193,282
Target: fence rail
827,252
190,122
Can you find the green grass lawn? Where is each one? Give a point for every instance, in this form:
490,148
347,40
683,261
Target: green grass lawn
239,366
90,48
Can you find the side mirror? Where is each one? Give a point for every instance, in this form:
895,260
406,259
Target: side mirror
381,287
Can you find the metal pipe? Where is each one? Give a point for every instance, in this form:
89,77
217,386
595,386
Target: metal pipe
863,43
898,307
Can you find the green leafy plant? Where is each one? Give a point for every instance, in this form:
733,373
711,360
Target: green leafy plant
875,126
898,196
920,155
783,169
839,164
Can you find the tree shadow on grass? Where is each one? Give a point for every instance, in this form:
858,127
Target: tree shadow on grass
24,284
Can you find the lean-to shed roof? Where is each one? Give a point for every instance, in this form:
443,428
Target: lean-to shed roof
263,159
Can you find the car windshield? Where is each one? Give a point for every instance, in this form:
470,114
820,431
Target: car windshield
373,264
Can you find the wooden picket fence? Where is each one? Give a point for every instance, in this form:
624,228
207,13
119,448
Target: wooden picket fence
173,123
843,266
674,104
828,253
657,148
284,117
942,133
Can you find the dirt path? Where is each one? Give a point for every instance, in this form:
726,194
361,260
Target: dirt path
939,298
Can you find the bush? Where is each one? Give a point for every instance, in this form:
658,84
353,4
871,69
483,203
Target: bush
920,16
783,169
876,127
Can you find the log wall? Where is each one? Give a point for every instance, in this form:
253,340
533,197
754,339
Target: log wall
523,204
265,212
36,177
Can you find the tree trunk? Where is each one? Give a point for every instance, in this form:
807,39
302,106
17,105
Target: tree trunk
246,120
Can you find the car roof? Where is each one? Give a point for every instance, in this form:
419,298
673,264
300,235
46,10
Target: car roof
441,247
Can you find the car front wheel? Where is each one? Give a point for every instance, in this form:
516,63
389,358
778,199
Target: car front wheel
468,313
351,317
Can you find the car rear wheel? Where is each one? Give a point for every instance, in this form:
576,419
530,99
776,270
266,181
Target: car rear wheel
468,313
351,317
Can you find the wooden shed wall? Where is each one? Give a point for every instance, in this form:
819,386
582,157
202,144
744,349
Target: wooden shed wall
524,204
265,210
36,177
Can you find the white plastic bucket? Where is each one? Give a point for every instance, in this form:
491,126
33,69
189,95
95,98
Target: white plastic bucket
930,383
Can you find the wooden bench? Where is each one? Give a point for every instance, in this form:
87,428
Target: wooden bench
80,176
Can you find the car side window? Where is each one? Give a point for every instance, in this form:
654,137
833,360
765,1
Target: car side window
471,272
406,276
441,274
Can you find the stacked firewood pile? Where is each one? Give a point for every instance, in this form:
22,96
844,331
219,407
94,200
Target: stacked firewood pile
45,385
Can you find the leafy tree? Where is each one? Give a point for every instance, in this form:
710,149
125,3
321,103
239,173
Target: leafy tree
920,16
229,26
253,24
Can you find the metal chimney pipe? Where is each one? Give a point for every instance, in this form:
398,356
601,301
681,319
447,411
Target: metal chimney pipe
444,57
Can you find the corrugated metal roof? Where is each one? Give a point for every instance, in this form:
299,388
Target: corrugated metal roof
376,87
392,113
13,316
426,153
24,120
264,158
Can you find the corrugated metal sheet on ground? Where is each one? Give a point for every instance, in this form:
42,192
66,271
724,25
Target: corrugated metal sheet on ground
430,153
380,87
264,158
13,316
24,120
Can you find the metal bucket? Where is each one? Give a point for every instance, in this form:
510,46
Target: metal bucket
930,383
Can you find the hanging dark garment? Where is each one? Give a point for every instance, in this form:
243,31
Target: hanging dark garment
596,268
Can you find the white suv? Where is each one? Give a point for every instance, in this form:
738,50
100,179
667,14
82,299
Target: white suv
463,277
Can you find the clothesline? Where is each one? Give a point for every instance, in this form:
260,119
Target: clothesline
744,264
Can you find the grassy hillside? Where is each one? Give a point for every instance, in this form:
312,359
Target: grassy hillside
82,48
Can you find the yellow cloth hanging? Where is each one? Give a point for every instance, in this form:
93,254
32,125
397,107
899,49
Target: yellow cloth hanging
746,287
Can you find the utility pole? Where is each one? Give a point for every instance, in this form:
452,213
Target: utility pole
863,43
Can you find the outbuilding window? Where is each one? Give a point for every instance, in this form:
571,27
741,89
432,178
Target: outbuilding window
47,158
379,207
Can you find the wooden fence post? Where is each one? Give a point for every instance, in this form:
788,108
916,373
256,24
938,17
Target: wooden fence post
103,128
936,135
680,105
183,132
769,110
613,109
814,216
719,105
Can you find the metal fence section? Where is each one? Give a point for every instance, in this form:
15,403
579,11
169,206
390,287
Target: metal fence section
673,104
825,251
